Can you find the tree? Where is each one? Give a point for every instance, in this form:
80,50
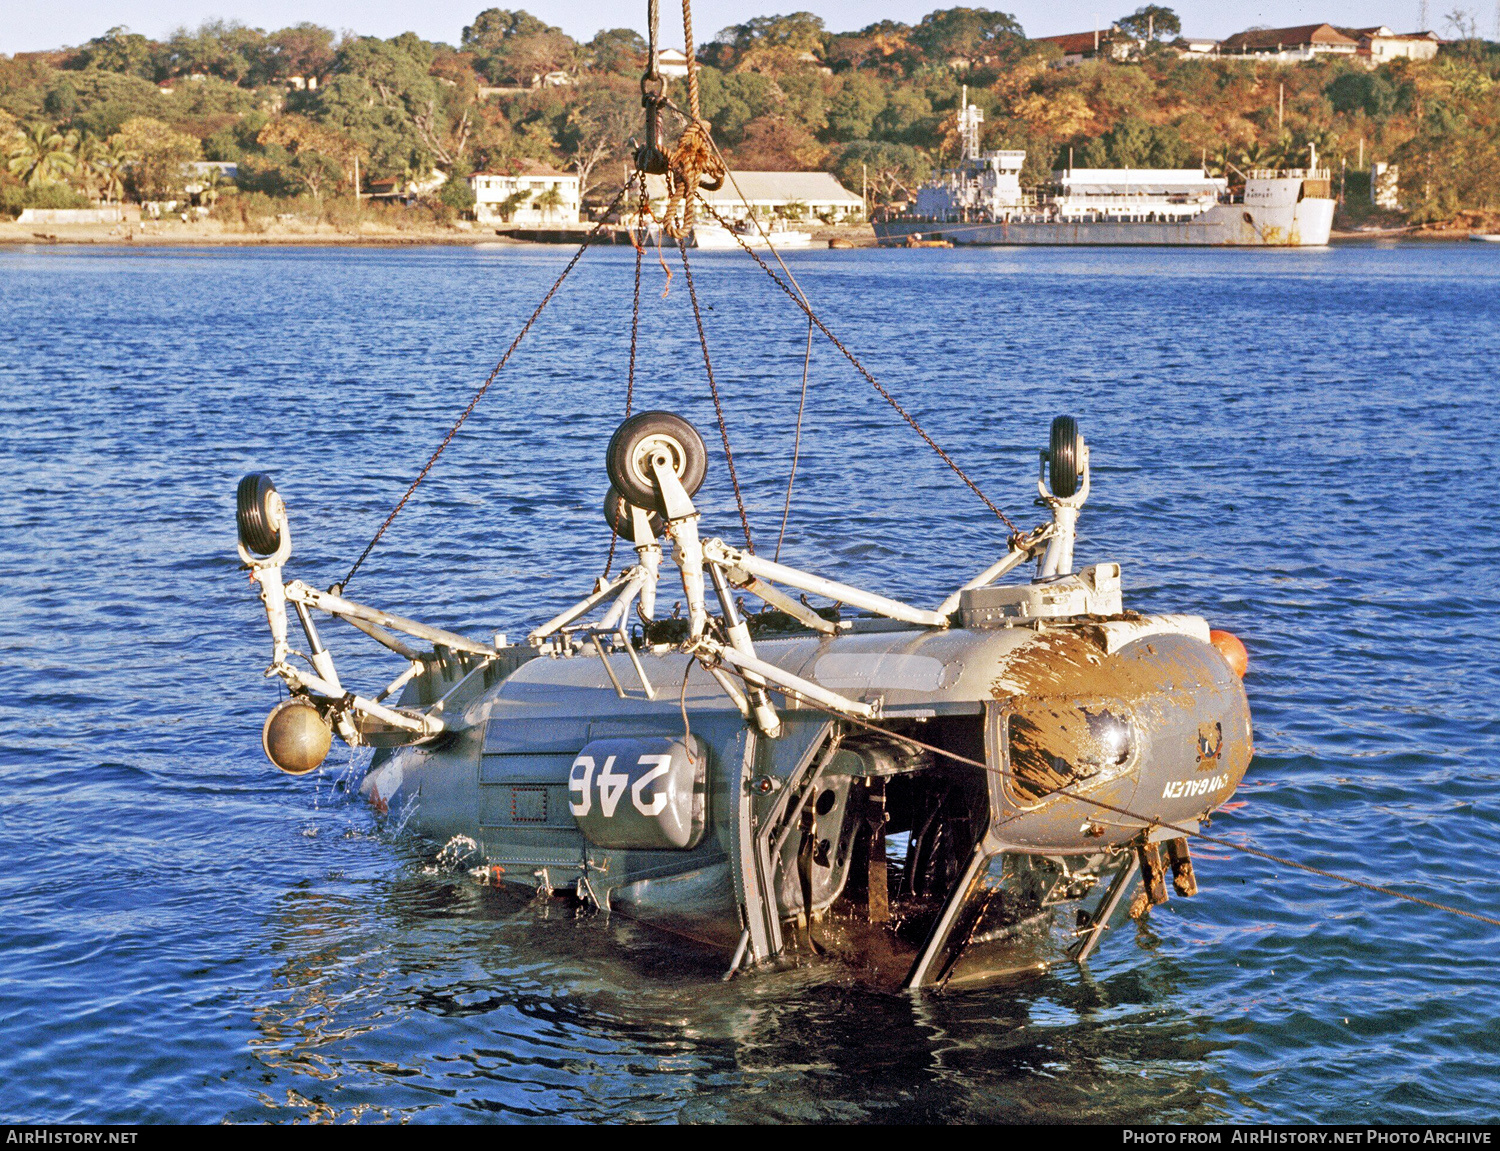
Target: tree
549,201
319,156
1463,24
893,170
777,144
457,193
1134,143
620,50
516,46
103,101
1151,22
512,204
966,34
225,49
385,100
853,108
161,157
304,50
732,100
119,50
40,154
1372,93
599,127
111,164
876,46
799,32
494,26
905,119
1056,115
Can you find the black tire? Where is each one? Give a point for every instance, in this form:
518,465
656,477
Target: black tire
617,515
625,458
253,514
1064,457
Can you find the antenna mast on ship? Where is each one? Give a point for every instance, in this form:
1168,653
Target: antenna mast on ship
969,119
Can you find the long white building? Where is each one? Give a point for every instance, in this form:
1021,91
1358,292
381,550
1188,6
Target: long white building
817,195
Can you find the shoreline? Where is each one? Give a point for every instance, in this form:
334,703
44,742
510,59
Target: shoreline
152,234
172,234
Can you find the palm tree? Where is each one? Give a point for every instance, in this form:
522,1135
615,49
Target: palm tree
1220,160
1257,155
110,164
41,155
86,155
549,201
214,183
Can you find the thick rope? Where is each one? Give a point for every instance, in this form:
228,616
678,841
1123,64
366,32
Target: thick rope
873,382
695,163
485,387
713,387
692,60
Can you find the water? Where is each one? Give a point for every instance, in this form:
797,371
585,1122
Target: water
1298,445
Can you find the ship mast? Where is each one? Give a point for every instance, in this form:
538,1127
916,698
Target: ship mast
969,119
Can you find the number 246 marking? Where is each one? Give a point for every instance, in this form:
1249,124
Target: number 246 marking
612,784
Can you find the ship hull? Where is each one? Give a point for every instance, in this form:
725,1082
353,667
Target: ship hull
1305,224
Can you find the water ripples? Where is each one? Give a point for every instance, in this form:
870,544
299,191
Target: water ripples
1294,444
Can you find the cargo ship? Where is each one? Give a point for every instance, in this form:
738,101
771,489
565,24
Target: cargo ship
981,202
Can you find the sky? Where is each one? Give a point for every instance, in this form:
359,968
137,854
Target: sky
26,26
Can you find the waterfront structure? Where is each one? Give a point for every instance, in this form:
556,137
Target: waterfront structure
533,194
815,195
1290,45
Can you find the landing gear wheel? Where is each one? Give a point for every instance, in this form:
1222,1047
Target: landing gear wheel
641,437
617,515
259,527
1065,457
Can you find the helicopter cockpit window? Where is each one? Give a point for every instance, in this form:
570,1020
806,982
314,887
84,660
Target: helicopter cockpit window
1057,743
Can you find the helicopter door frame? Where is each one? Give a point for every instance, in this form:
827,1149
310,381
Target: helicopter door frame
938,954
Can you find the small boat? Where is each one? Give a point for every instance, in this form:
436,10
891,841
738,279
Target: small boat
1485,237
747,233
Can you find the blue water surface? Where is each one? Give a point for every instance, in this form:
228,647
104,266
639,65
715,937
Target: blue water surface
1300,446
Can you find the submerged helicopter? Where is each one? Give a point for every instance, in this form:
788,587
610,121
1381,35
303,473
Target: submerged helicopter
936,796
